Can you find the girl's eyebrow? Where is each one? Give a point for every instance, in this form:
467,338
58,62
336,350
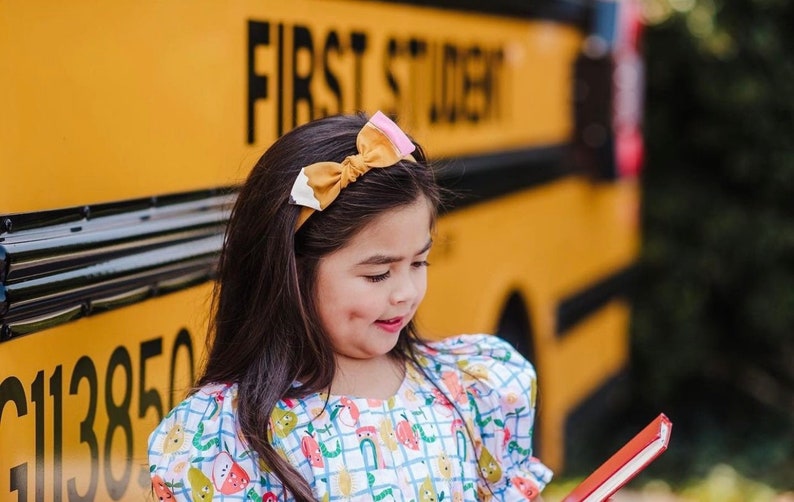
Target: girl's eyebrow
380,259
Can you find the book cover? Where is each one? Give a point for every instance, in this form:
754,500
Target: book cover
621,467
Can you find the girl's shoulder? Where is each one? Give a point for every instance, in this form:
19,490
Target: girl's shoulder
197,448
485,362
211,410
462,350
206,403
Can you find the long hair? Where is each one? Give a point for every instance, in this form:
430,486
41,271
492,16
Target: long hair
265,331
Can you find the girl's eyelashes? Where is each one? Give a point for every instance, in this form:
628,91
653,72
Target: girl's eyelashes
386,275
377,278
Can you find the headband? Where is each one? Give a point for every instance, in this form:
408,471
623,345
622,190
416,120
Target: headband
380,143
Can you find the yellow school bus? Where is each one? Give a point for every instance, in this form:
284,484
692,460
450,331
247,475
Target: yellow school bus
125,127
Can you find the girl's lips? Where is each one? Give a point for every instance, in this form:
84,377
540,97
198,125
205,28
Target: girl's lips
391,325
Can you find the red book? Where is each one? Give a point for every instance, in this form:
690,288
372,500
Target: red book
625,464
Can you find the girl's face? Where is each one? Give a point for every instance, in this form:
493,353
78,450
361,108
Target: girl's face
370,289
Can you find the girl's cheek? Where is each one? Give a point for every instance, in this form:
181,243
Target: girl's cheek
367,307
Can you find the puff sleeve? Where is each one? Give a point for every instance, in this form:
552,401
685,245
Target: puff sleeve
501,387
196,453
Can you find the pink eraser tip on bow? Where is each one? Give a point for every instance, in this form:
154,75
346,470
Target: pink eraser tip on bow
393,132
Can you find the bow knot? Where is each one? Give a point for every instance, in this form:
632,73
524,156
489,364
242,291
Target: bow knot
380,144
352,167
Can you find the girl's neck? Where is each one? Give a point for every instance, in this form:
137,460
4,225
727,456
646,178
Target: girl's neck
376,378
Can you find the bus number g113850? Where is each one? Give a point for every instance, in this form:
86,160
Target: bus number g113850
46,397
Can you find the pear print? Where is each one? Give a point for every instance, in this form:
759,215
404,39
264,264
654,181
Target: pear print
426,491
200,485
489,467
283,422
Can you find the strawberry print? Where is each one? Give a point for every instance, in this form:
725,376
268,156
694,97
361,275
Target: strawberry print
311,450
406,435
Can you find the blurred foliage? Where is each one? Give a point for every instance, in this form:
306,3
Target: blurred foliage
713,320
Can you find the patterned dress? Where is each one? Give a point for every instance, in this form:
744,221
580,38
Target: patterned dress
461,432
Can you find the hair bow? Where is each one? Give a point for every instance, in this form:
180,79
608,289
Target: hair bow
380,143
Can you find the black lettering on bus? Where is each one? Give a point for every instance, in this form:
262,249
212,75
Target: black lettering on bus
84,369
464,83
19,481
298,54
258,34
118,418
434,70
301,83
358,42
419,95
449,83
56,391
12,391
37,398
117,409
332,44
393,52
149,397
493,95
280,87
473,99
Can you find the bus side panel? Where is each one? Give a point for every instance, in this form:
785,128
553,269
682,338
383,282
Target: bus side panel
79,401
104,101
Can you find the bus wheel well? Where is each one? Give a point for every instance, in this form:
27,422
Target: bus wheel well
515,326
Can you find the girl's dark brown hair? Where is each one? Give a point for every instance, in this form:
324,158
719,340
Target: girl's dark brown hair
265,331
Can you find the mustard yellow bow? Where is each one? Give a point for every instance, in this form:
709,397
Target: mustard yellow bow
380,143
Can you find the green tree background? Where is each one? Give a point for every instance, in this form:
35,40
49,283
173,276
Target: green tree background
713,316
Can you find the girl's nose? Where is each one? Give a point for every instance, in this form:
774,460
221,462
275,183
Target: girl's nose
404,290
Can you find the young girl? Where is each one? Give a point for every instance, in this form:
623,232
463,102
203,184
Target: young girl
317,386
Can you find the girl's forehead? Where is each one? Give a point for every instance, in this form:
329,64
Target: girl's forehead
405,229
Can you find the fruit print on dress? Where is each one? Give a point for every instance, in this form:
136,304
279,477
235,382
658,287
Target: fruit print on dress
283,421
467,440
489,467
347,412
311,450
387,435
228,476
161,490
200,485
526,486
174,439
427,492
406,435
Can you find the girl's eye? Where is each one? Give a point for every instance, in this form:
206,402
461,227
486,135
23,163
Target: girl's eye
420,264
377,278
